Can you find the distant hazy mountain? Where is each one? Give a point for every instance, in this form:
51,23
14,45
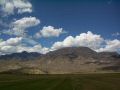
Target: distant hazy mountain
20,56
62,61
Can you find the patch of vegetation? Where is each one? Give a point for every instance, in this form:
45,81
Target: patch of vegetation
60,82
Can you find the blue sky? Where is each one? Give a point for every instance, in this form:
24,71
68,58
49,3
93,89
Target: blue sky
74,17
77,17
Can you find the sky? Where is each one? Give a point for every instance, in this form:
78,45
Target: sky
47,25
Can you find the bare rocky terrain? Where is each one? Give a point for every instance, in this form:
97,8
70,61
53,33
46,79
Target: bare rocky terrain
70,60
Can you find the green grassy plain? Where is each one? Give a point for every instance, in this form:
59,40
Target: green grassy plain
60,82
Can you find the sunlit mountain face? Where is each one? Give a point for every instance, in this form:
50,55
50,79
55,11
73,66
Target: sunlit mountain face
46,25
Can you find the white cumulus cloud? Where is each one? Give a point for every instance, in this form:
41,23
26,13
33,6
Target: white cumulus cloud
11,42
10,6
93,41
111,46
14,45
49,31
88,39
18,27
9,46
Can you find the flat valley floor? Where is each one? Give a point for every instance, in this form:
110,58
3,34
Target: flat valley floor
107,81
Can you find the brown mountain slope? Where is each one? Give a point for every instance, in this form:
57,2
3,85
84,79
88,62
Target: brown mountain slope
66,60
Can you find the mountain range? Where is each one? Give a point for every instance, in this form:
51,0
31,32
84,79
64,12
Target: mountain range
69,60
